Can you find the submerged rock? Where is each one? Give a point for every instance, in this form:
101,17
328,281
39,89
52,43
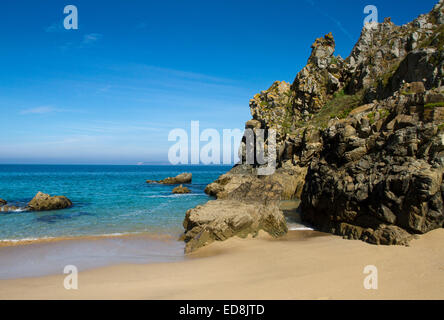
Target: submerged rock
45,202
181,190
5,207
181,178
8,208
219,220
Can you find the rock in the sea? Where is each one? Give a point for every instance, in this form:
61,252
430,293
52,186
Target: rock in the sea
45,202
181,178
181,190
4,207
8,208
219,220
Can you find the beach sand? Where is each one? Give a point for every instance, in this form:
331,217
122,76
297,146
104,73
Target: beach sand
302,265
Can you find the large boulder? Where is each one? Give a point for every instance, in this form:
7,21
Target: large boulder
243,183
45,202
181,190
380,174
179,179
219,220
3,202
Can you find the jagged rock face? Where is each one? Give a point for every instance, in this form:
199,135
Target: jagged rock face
3,202
419,65
382,47
222,219
44,202
273,108
362,138
318,79
282,106
379,168
378,64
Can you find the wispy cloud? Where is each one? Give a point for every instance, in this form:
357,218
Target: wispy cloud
86,41
39,110
91,38
55,27
334,20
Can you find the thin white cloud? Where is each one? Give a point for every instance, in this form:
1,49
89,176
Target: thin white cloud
86,41
91,38
55,27
39,110
334,20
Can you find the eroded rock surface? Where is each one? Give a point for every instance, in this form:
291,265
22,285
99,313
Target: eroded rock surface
181,190
179,179
382,166
45,202
219,220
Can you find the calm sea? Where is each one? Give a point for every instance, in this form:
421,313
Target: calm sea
107,200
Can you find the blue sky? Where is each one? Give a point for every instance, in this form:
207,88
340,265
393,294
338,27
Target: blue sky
110,92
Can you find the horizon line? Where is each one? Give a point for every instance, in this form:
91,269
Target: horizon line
109,164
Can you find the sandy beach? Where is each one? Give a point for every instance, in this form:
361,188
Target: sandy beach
302,265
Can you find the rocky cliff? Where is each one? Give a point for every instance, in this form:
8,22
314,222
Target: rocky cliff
360,141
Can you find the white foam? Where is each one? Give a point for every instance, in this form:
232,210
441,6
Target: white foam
26,239
300,228
174,195
18,210
105,235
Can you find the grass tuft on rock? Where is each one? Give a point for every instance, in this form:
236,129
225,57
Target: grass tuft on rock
339,106
434,105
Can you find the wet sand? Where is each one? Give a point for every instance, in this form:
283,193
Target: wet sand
303,265
50,256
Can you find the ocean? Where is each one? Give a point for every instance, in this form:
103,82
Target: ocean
130,220
107,200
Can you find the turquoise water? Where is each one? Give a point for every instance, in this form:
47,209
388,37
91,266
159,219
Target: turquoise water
106,199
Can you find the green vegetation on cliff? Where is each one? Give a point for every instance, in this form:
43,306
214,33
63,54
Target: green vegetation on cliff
338,107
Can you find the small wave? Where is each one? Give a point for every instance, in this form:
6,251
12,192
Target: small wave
18,210
26,240
153,236
300,228
174,195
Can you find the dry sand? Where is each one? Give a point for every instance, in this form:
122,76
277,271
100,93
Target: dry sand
303,265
